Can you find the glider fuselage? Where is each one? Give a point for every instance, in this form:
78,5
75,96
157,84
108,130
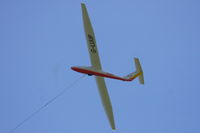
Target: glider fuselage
91,71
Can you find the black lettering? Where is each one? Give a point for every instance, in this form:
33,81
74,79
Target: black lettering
92,44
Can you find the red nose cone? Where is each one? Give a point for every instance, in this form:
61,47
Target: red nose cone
73,68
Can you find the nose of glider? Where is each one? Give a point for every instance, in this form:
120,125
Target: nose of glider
73,68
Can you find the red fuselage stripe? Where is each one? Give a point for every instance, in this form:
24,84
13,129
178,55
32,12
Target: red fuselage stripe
86,71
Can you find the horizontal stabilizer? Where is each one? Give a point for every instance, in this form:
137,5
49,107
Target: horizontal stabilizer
139,70
138,73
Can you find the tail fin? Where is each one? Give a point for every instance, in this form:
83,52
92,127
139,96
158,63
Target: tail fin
137,73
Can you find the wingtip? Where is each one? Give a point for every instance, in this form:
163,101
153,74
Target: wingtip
82,4
113,126
114,129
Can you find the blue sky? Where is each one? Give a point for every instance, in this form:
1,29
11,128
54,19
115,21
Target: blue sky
40,40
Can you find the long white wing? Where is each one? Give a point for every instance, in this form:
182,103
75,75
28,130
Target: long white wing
95,61
105,100
90,37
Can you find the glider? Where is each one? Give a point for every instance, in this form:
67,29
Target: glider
96,69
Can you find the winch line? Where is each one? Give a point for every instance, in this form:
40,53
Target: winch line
46,104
